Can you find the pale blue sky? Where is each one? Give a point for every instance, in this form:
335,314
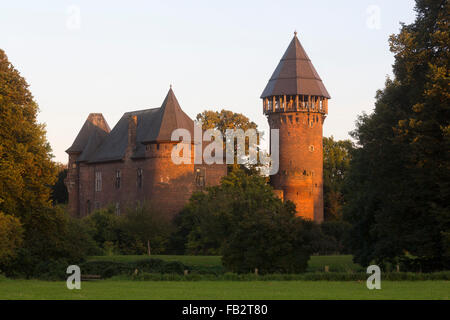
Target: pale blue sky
217,54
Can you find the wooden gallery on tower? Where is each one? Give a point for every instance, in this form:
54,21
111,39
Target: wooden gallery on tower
131,164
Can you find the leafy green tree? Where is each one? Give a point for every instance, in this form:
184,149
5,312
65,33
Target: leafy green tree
224,120
26,176
144,226
399,180
336,163
26,169
11,236
244,221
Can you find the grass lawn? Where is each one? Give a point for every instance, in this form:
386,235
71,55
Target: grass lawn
342,263
110,289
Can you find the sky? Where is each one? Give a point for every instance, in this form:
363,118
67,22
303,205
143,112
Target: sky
112,57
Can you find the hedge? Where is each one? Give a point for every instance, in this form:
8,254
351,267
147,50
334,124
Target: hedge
316,276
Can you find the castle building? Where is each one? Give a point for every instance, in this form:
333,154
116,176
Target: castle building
295,101
131,164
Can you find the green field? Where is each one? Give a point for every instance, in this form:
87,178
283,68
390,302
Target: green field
166,290
127,289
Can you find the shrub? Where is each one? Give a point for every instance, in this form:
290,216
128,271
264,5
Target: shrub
51,270
106,269
11,236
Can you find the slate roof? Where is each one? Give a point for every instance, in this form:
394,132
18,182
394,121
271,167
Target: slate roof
153,125
295,74
94,130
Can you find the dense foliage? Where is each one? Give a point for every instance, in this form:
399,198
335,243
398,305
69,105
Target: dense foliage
26,169
59,190
138,231
400,175
11,236
26,174
244,221
336,163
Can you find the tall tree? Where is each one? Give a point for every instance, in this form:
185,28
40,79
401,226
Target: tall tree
400,174
26,172
336,163
26,169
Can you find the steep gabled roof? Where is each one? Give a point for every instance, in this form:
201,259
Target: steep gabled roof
153,125
295,74
114,146
94,130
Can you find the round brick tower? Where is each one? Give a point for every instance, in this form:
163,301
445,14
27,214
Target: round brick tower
295,101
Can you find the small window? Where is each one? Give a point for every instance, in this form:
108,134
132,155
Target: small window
118,208
200,177
311,148
118,178
98,181
88,207
139,178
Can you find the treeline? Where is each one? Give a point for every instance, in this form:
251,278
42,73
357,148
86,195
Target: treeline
386,197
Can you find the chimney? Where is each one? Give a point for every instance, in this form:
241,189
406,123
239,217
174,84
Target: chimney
132,125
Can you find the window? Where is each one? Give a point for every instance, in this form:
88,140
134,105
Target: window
311,148
200,177
139,178
118,176
96,205
118,208
88,207
98,181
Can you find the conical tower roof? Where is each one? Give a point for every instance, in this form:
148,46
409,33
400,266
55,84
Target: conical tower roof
170,117
295,74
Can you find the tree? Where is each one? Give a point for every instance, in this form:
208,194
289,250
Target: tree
26,169
224,120
59,190
11,233
143,226
400,173
26,176
244,221
336,163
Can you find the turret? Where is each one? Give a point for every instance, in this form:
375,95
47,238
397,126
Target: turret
295,101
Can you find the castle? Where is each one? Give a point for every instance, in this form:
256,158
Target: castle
131,164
